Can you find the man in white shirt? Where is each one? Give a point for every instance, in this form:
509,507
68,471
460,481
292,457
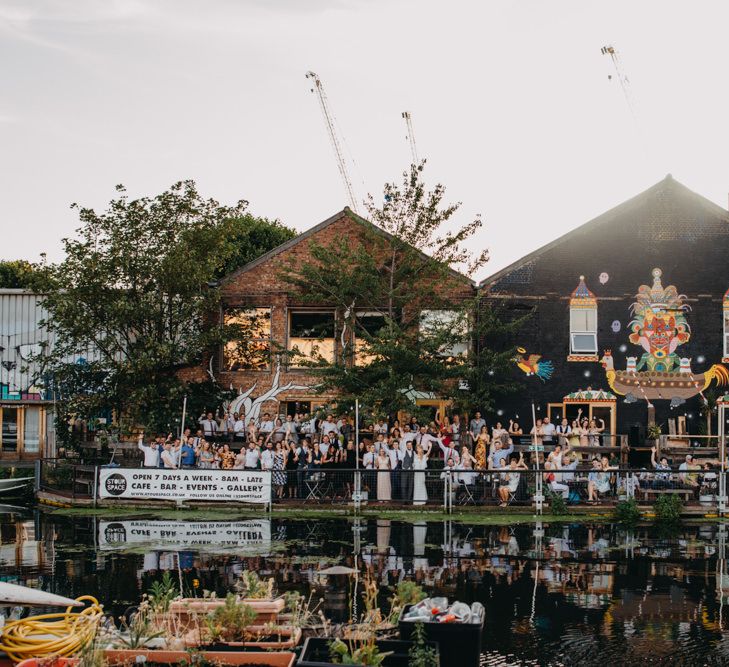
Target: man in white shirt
548,428
449,451
407,436
167,457
253,455
209,426
151,453
424,439
328,425
267,457
324,445
380,427
266,426
368,459
394,454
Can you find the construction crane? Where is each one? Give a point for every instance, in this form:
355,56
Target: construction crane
411,136
318,90
610,50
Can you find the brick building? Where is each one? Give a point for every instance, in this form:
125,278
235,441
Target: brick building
608,286
275,316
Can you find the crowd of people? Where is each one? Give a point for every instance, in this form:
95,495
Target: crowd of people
312,457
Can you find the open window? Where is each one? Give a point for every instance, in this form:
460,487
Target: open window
583,324
311,336
250,346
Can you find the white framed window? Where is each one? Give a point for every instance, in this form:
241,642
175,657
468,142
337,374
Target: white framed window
434,321
583,331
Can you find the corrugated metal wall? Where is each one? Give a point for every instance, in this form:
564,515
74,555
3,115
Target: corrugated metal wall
21,337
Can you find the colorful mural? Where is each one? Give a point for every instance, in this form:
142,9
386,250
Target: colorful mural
533,364
659,326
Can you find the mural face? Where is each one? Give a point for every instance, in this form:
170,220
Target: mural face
659,327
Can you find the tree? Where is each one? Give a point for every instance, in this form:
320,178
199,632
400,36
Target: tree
489,372
251,237
16,274
131,302
380,282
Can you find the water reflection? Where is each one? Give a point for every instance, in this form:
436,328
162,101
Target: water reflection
554,594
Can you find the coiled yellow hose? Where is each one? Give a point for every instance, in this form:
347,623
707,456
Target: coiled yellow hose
59,634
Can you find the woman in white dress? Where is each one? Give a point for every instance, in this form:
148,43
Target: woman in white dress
420,464
384,491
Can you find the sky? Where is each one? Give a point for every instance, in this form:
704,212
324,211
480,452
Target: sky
514,106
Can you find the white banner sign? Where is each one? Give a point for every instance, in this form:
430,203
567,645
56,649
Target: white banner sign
244,486
187,535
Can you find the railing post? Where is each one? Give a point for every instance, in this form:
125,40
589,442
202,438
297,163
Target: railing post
96,484
37,473
357,494
538,493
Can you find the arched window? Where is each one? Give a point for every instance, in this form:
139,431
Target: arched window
583,324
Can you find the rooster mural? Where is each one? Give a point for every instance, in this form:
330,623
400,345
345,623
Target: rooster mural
533,364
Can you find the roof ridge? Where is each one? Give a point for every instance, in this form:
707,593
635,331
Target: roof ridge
603,218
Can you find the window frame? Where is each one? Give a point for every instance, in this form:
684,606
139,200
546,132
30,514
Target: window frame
575,353
453,352
290,312
269,340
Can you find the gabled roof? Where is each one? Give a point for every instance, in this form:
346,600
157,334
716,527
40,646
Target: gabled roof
609,216
346,211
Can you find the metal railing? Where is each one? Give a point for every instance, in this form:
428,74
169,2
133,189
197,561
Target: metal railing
450,488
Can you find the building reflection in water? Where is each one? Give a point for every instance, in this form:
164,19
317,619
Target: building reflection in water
595,592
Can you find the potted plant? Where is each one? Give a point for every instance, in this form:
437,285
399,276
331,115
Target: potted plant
156,637
653,433
365,651
462,639
256,593
230,627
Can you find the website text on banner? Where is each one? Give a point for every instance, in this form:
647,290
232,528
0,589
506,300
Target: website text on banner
244,486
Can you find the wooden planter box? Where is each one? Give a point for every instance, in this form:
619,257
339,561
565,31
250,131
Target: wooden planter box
129,657
288,639
267,611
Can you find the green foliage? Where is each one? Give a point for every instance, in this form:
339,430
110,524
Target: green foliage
627,512
668,508
488,375
250,237
557,504
408,592
653,432
131,303
251,586
16,274
161,593
381,284
420,654
356,653
229,623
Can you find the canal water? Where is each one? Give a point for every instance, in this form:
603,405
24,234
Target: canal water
555,595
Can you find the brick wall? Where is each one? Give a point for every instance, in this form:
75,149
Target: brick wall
263,286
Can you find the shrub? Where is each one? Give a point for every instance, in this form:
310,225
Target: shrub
420,654
230,622
668,508
557,504
627,512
